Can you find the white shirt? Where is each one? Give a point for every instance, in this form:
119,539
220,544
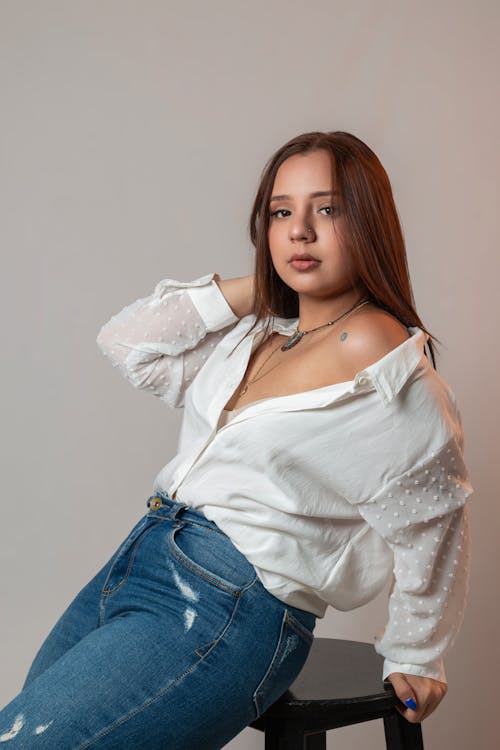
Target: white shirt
329,493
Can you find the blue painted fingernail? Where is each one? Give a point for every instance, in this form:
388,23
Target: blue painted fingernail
411,704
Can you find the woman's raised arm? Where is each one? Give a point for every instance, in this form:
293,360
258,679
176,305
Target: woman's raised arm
160,342
238,293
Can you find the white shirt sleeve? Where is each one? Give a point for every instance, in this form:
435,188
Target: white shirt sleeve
423,517
160,342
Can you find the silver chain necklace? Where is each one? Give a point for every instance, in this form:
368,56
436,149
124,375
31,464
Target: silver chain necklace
297,336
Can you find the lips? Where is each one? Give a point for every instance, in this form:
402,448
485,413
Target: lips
302,256
304,265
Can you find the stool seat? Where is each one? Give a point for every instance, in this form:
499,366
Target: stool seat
340,684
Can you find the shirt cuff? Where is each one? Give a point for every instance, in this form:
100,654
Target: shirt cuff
434,669
212,305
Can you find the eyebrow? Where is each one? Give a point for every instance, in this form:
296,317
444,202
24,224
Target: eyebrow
317,194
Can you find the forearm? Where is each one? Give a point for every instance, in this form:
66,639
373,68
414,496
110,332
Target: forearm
238,293
160,342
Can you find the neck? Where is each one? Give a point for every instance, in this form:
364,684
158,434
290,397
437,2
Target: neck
314,312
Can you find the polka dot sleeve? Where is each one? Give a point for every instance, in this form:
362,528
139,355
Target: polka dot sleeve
159,343
423,517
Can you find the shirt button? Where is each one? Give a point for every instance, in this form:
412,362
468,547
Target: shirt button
363,380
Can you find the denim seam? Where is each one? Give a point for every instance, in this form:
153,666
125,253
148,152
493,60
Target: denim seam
186,521
106,593
216,640
142,533
199,570
204,526
279,647
291,622
299,627
161,693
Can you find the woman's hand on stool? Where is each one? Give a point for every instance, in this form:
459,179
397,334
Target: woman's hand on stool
421,695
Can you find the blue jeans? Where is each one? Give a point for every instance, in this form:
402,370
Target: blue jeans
175,644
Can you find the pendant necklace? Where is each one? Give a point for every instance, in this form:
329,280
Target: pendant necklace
297,336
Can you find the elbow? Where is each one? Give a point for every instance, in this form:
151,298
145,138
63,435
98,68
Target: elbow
102,344
104,340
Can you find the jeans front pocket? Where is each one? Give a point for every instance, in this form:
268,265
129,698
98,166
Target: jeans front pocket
210,555
123,559
291,652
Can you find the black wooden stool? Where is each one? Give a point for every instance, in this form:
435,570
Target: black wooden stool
340,684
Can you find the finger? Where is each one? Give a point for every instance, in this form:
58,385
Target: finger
411,703
414,717
405,692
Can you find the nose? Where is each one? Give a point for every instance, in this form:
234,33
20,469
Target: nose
303,232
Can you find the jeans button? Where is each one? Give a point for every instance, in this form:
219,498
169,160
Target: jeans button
155,503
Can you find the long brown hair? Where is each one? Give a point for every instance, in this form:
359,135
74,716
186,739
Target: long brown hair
373,234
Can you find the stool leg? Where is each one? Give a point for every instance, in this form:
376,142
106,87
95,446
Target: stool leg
284,736
401,734
315,741
277,737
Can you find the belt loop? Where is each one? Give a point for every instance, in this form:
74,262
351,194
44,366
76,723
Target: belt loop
176,509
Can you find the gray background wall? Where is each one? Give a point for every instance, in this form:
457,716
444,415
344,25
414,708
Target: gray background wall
132,137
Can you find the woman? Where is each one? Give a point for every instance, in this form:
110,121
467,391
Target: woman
320,456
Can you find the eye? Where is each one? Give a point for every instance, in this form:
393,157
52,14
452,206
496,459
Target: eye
285,210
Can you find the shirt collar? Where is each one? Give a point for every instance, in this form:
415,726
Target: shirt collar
388,374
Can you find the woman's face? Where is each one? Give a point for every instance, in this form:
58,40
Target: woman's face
299,177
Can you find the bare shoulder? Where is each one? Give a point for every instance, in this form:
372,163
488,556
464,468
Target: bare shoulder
368,336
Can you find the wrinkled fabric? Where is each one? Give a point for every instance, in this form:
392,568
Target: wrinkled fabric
174,643
329,493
